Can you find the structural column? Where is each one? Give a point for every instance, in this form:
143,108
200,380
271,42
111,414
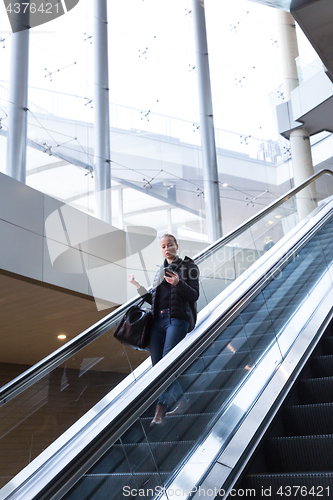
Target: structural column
288,51
18,100
303,169
211,184
299,138
101,113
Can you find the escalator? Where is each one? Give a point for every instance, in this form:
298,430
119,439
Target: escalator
143,458
246,329
296,455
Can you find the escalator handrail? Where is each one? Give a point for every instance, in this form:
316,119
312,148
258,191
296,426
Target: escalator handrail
47,364
117,418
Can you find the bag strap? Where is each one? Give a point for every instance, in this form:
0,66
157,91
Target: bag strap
139,304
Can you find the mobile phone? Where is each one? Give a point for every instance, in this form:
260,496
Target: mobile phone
168,271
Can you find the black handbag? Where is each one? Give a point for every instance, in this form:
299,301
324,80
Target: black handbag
134,328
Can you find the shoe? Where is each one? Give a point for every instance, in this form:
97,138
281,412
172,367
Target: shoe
159,415
180,409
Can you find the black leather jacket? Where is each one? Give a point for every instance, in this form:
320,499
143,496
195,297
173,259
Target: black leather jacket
183,296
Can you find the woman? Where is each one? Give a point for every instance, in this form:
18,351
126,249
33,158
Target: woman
173,299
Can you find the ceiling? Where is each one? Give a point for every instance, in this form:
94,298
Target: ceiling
315,17
33,314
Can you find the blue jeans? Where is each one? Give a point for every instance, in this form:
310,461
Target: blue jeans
165,335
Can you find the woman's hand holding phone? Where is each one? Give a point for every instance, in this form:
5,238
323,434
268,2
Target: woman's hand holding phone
171,277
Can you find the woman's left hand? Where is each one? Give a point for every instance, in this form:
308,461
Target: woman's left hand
173,279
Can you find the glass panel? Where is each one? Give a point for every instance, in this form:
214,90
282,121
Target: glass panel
36,417
229,260
326,248
308,65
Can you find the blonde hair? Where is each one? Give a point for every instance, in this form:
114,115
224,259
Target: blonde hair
167,235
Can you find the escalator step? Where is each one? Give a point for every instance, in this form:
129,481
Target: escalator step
220,344
299,486
230,334
244,343
302,420
300,453
257,317
165,455
262,328
181,427
328,345
228,360
322,366
261,339
206,402
142,458
199,402
316,390
247,337
211,380
114,460
116,486
222,341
